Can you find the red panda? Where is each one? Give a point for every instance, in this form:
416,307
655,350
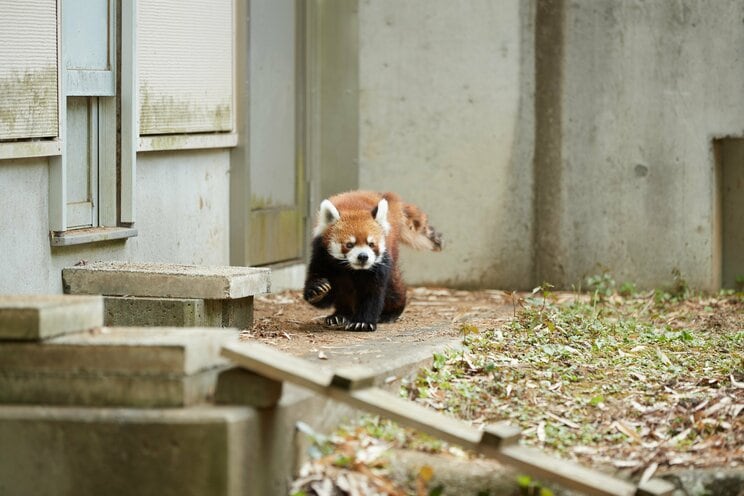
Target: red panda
354,260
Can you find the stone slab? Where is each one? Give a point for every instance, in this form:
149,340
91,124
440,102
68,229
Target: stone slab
222,450
157,312
38,317
273,364
177,312
69,451
166,280
236,386
237,312
139,367
122,350
124,390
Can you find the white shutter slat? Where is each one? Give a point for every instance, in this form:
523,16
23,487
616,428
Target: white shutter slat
28,69
185,66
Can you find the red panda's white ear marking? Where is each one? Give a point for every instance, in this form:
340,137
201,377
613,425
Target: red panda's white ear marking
381,215
327,215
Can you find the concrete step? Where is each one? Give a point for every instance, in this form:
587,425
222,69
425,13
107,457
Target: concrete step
39,317
150,294
202,450
135,367
166,280
208,450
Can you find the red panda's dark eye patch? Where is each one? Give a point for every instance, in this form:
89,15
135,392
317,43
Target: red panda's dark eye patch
349,245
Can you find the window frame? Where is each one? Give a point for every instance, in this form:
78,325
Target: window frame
113,222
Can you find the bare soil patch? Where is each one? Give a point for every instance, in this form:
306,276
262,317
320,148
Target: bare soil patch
286,321
641,384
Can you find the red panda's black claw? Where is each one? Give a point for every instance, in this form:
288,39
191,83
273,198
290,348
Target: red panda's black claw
361,326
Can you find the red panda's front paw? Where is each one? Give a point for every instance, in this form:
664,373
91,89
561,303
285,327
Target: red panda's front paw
361,326
336,320
317,291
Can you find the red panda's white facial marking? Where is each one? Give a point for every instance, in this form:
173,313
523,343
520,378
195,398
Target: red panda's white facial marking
361,257
359,252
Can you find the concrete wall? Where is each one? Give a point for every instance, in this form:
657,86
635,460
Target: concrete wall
182,208
555,139
646,86
445,108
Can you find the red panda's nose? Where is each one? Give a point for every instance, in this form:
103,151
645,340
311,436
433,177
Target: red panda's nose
362,257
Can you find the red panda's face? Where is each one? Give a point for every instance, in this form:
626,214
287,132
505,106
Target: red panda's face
361,245
356,238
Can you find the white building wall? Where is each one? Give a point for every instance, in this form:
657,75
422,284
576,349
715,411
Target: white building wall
182,203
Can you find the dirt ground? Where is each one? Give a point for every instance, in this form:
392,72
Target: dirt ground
286,321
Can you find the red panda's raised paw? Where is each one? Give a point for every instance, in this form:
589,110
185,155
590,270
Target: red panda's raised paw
317,292
361,326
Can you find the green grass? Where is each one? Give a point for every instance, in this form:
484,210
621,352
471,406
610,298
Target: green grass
600,372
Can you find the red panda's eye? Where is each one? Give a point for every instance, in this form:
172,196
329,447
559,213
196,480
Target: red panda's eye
349,245
371,244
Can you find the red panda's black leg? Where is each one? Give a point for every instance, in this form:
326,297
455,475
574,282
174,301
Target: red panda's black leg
395,299
368,312
370,288
318,289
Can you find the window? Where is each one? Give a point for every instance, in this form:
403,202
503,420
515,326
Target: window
83,179
28,79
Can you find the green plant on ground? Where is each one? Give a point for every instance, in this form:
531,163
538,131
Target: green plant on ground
603,378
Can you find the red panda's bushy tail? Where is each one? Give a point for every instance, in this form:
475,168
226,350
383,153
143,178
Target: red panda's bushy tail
416,232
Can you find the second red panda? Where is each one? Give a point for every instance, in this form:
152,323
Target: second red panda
354,261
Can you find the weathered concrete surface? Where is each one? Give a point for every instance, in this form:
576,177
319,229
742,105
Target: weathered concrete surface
731,153
142,367
166,280
37,317
445,119
80,389
201,450
178,312
236,312
127,311
458,476
237,386
182,211
645,88
63,451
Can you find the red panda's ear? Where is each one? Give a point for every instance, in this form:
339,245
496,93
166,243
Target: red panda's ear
327,215
380,214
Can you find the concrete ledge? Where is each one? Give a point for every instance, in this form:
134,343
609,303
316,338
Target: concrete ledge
123,311
178,312
108,391
38,317
204,450
91,235
238,386
166,280
152,367
62,451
